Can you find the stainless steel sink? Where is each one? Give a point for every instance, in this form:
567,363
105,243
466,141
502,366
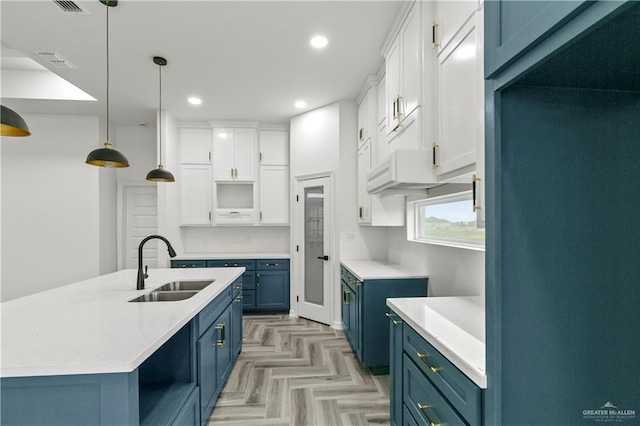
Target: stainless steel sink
184,285
164,296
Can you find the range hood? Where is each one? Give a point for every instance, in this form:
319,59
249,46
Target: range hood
403,172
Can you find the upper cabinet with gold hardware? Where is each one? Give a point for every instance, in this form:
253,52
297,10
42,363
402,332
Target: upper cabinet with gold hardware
366,116
450,17
461,101
403,61
234,154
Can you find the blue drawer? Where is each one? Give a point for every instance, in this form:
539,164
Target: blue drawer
423,401
407,418
459,390
212,311
237,287
348,277
188,263
250,264
272,264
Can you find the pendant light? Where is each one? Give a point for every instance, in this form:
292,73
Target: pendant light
12,123
160,174
107,156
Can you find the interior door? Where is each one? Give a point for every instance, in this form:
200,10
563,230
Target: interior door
314,293
140,221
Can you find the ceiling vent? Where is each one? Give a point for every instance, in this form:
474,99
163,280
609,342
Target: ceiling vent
71,7
56,59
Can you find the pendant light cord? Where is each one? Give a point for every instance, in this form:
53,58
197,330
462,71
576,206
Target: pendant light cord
108,71
160,110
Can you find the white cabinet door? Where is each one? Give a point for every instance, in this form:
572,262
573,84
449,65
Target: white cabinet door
411,62
196,192
274,147
234,152
364,199
364,119
274,195
450,17
461,101
381,141
245,155
223,154
403,73
392,71
195,146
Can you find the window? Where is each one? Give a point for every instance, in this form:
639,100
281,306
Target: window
445,220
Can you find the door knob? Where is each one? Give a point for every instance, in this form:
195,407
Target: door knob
325,257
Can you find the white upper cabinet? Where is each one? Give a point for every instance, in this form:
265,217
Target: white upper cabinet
403,61
372,209
274,147
274,195
461,101
195,146
196,194
366,117
234,154
381,141
450,16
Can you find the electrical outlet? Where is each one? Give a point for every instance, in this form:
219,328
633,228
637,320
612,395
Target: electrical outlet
351,236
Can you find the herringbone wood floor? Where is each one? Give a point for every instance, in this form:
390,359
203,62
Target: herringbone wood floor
294,371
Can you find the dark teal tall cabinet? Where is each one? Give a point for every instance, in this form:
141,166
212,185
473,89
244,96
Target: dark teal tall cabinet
563,234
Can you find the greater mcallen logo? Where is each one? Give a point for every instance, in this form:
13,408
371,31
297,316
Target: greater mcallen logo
609,413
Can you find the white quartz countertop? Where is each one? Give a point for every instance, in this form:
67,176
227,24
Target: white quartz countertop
233,256
90,327
452,325
379,269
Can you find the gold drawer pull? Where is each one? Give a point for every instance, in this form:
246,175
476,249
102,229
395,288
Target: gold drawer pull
423,409
424,357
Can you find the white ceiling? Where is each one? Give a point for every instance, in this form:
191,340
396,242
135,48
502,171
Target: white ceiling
246,60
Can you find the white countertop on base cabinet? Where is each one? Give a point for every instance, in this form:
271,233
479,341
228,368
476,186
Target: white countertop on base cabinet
379,270
455,326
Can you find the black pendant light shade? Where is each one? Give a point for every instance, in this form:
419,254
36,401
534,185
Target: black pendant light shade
107,156
160,174
12,123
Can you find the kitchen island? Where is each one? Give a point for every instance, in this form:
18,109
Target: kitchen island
84,354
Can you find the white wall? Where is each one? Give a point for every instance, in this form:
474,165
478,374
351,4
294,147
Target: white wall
107,208
324,140
50,205
138,144
452,271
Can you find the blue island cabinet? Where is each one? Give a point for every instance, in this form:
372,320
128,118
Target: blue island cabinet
363,314
177,385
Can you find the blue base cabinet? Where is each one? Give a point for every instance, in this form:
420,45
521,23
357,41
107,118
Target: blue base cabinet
265,283
177,385
426,388
364,320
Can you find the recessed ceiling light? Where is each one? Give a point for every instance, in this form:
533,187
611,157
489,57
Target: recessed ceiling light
195,101
300,104
319,42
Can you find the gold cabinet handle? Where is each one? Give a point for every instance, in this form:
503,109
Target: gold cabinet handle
239,299
345,296
220,341
423,408
474,180
257,280
434,27
424,357
435,146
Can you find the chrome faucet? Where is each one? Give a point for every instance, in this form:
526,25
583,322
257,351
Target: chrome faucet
143,275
